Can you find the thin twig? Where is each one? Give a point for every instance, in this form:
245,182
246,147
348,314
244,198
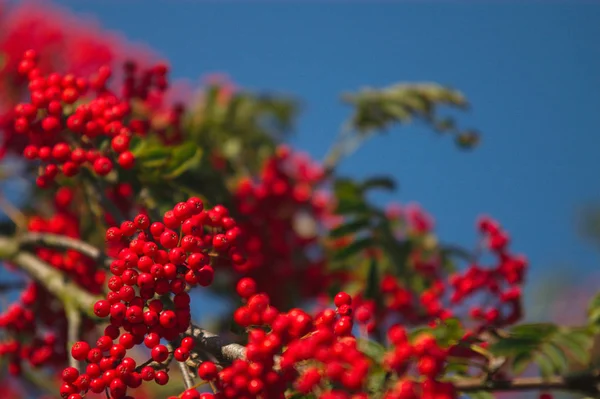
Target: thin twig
214,344
50,278
13,213
187,377
62,242
586,382
95,191
73,330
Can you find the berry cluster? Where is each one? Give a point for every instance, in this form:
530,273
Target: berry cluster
501,282
66,134
147,303
36,323
292,349
446,294
284,212
428,360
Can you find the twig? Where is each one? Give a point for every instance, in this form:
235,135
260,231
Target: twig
187,378
213,344
95,191
586,382
52,279
73,330
13,213
63,242
17,285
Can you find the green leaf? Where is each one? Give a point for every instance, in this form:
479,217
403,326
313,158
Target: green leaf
351,206
379,182
545,365
183,158
372,349
521,361
376,381
556,356
577,343
481,395
344,187
372,290
298,395
152,156
354,248
549,346
535,331
349,228
514,346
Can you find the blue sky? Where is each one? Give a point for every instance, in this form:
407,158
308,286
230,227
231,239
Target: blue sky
531,72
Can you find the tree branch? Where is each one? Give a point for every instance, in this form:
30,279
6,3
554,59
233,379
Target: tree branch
585,382
77,301
73,330
53,280
187,377
213,344
62,242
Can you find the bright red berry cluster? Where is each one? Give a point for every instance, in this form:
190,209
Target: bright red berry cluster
148,303
66,134
284,212
296,350
425,358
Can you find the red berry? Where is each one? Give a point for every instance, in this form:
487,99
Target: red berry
246,287
102,166
160,353
207,371
80,350
342,298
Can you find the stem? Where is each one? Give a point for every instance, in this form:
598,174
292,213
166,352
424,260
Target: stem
187,377
62,242
214,344
53,280
586,382
74,326
95,191
345,143
13,213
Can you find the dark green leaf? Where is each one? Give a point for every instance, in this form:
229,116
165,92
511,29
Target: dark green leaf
514,346
535,331
351,206
556,356
372,290
372,349
376,381
183,158
481,395
545,365
577,343
152,156
521,361
298,395
344,187
349,228
354,248
379,182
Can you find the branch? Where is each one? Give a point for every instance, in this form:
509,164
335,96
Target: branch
73,330
94,190
187,377
62,242
585,382
213,344
53,280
